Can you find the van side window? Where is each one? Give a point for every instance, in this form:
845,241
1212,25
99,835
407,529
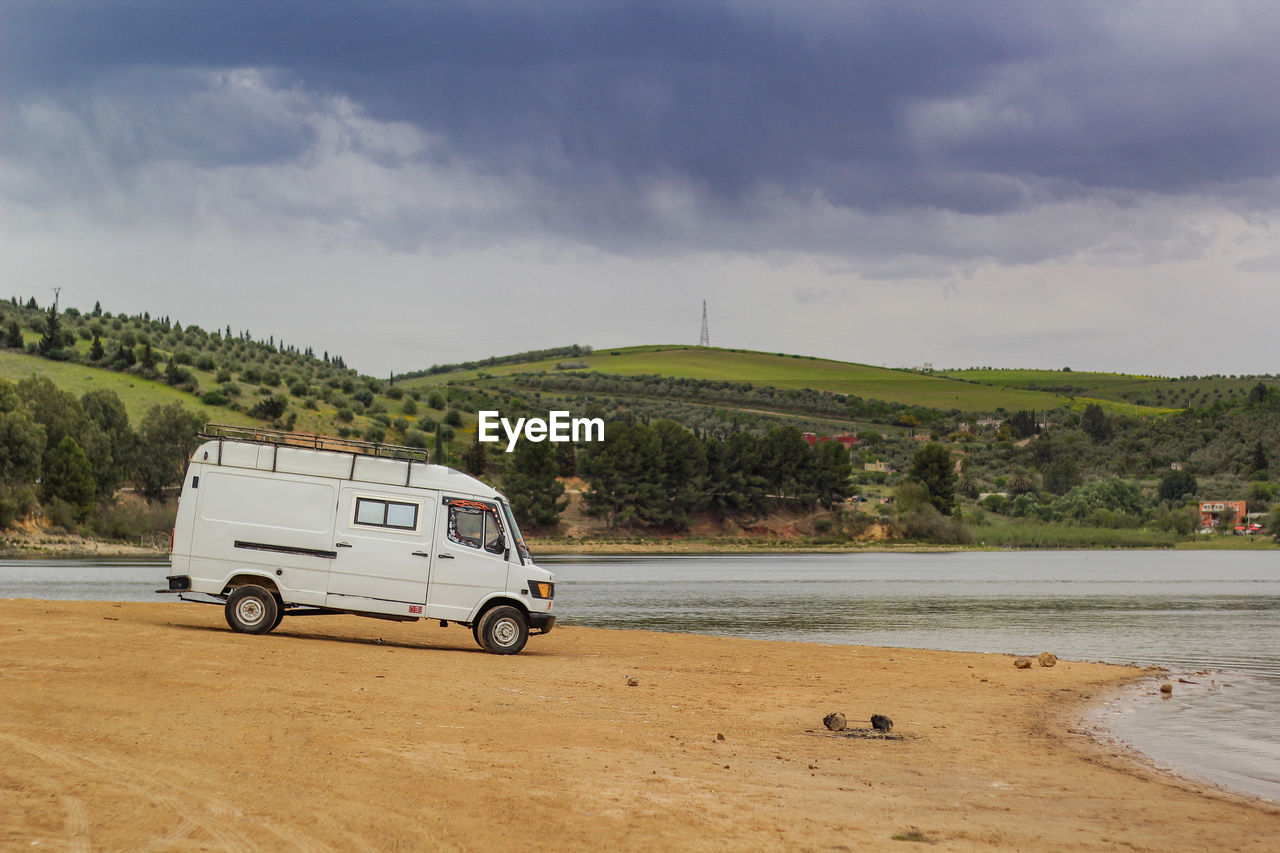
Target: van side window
476,525
378,513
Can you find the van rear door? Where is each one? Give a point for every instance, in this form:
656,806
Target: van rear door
471,561
382,546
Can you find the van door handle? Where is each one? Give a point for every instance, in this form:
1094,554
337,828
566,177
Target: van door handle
342,544
421,554
445,556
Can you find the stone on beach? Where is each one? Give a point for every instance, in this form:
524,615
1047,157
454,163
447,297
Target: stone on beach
1023,663
881,723
835,721
1047,659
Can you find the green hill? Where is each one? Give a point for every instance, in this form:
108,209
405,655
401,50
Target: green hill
137,394
1159,392
778,370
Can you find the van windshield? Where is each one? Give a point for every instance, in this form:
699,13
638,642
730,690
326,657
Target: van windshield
517,539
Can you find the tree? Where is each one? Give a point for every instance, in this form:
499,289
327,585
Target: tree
931,466
96,352
1022,424
51,341
680,468
68,476
1061,476
107,439
828,473
1259,455
1096,424
783,455
475,459
56,410
566,459
166,438
530,484
269,408
22,443
619,472
1176,487
13,336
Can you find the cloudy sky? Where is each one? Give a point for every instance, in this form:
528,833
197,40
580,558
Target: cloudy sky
1018,184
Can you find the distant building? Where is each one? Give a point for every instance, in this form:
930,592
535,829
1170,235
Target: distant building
847,441
1211,512
878,466
990,422
1178,466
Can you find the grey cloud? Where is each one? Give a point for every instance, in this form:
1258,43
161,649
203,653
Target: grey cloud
752,110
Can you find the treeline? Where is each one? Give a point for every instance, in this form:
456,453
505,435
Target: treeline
71,456
573,351
660,474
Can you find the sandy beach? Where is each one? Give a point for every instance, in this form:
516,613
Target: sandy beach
153,726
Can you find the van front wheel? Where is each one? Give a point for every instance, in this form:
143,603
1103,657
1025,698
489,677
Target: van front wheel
251,610
503,630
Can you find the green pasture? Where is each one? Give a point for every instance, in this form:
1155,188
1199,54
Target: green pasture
1142,391
137,394
792,372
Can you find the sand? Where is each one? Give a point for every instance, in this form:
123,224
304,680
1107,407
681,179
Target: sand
152,726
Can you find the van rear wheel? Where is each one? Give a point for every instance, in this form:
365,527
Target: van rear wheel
503,630
251,610
279,613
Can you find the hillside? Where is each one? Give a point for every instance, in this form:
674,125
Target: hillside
1141,392
782,371
1059,448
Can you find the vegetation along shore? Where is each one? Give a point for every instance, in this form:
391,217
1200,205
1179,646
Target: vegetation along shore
704,448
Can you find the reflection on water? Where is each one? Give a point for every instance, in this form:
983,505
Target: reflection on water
1190,611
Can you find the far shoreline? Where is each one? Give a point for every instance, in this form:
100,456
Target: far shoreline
77,547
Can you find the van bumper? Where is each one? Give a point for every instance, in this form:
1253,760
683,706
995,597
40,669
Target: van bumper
542,622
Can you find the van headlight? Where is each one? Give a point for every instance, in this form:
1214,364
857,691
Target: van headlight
542,589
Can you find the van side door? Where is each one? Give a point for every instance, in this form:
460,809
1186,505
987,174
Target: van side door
471,557
382,550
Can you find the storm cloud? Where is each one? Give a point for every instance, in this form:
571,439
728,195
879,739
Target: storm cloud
913,140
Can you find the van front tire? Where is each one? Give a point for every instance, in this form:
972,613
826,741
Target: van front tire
503,630
251,610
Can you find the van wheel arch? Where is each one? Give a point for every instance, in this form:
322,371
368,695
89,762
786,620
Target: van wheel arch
489,605
251,580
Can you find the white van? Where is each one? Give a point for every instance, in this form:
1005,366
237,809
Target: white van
274,523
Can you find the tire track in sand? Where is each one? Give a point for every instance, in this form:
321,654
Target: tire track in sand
185,803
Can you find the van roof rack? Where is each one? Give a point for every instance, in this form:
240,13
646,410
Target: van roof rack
311,441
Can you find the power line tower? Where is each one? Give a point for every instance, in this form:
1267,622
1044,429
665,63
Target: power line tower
704,340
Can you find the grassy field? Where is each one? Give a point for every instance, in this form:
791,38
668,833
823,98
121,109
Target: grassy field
788,371
1156,392
137,394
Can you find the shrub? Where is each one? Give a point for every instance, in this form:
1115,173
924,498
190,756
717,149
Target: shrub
16,501
269,408
132,519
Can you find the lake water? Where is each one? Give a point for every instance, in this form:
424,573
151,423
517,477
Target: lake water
1194,612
